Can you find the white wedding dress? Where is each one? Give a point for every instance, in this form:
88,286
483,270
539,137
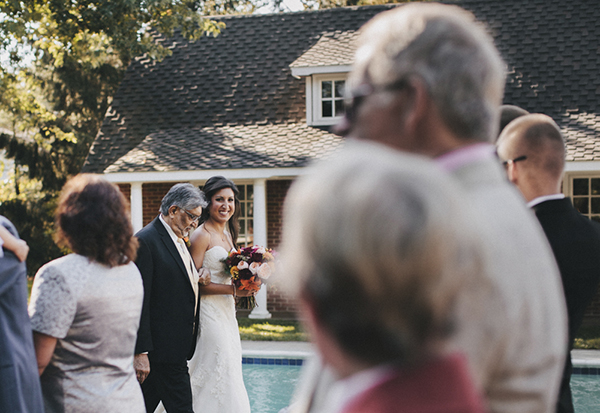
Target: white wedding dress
216,368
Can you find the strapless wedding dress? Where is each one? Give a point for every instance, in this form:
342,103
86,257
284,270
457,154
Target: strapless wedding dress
216,368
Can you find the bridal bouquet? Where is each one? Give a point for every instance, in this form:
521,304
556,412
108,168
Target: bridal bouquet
248,268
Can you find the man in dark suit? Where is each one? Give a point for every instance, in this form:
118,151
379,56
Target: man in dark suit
19,379
533,151
168,326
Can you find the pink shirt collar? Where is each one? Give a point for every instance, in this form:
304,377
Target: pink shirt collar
455,159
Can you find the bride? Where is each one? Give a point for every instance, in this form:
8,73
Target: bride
216,368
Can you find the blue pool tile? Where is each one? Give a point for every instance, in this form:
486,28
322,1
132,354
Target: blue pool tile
278,362
286,362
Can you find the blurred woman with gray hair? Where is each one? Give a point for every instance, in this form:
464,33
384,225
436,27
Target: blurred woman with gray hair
377,247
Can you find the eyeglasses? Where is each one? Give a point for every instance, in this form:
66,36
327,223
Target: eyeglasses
356,97
193,217
517,159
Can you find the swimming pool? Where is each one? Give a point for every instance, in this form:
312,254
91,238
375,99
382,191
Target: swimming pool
586,393
270,387
271,382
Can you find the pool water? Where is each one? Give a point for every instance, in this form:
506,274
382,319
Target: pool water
586,393
270,387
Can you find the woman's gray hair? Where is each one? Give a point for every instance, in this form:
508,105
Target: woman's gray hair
379,244
185,196
449,51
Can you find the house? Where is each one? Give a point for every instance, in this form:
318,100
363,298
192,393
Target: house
255,104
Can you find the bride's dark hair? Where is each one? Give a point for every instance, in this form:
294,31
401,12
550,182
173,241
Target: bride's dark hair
211,187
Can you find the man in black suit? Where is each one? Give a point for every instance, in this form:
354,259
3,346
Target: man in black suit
533,150
168,326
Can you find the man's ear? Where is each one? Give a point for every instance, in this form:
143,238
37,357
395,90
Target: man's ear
172,209
513,173
417,103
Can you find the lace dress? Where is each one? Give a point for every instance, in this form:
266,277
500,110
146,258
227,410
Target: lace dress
216,368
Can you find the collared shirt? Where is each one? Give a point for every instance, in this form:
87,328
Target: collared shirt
544,198
185,257
344,390
455,159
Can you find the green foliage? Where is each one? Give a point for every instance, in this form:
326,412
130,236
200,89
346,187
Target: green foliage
271,330
31,220
62,61
328,4
588,338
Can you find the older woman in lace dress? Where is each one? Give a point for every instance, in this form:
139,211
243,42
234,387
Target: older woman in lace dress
85,307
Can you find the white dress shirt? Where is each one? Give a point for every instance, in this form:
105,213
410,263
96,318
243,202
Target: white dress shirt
185,257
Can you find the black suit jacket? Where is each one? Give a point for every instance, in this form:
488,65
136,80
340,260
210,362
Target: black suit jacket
575,241
167,326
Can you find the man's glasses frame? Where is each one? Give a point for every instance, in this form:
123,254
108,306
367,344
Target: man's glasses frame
515,160
193,217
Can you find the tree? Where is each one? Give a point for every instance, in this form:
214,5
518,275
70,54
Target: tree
63,61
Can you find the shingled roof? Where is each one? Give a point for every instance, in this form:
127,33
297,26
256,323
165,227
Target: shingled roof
240,78
332,49
232,102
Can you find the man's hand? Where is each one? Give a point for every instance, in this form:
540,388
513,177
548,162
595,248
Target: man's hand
141,364
203,276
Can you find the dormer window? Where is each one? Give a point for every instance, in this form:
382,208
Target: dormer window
327,102
332,98
325,67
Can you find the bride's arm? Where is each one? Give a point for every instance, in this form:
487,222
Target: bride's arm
200,241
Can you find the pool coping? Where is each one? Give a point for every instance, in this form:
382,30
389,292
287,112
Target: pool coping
586,362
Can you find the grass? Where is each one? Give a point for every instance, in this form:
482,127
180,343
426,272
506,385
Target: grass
271,330
588,338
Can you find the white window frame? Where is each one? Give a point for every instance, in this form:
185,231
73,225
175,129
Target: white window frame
568,189
313,99
248,238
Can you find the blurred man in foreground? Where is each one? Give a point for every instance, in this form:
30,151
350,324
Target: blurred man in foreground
427,79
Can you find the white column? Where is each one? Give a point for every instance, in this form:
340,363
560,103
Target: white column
137,212
260,238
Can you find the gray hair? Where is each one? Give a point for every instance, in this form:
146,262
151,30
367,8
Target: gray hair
379,244
451,53
185,196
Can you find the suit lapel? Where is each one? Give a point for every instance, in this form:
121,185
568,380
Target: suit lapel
171,247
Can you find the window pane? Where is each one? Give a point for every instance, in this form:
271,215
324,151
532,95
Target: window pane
243,209
250,210
339,107
327,109
326,89
595,186
580,186
339,89
250,190
250,226
595,205
581,204
242,226
596,218
242,194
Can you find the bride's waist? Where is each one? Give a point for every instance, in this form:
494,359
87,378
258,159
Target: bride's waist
220,280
